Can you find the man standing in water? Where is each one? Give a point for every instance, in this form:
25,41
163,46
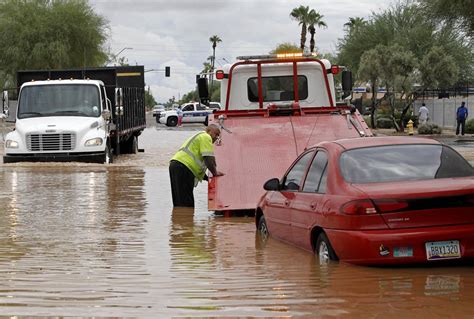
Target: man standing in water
188,166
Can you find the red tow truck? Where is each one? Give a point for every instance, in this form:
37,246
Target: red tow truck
274,107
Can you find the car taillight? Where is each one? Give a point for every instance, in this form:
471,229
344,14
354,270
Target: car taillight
390,205
359,207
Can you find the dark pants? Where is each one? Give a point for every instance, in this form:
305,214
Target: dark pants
182,184
462,124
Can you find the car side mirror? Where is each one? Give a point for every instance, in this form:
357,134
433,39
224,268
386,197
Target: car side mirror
272,185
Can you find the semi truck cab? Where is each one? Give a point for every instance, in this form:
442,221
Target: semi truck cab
61,118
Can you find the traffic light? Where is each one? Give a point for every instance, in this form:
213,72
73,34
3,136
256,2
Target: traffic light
167,71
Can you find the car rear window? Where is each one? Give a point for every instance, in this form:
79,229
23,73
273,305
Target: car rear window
402,163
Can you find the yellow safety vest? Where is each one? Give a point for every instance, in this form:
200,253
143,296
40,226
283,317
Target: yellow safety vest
192,151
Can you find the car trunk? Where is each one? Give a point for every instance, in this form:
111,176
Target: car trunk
425,203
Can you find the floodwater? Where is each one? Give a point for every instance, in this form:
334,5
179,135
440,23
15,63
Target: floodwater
88,240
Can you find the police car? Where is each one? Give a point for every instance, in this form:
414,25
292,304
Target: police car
193,112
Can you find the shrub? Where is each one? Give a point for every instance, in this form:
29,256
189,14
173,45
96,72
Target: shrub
384,122
470,126
428,129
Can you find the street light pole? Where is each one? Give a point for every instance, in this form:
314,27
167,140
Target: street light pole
115,56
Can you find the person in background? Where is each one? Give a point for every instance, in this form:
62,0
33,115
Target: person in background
188,166
461,116
423,114
180,116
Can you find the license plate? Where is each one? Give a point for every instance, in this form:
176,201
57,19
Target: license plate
443,250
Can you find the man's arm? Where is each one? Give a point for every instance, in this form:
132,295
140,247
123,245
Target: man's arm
211,165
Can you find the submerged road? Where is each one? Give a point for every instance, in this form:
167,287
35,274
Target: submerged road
88,240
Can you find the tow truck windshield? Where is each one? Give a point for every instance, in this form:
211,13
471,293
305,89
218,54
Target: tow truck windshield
59,100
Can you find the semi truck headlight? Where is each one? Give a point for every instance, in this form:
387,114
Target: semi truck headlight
11,144
94,142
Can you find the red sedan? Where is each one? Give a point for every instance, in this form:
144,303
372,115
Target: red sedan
374,201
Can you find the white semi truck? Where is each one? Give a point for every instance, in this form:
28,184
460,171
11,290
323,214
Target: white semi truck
86,115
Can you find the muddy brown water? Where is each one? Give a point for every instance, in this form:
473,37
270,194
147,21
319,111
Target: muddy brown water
88,240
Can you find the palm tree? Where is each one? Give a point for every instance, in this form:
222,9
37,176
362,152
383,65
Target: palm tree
354,24
214,39
315,19
300,14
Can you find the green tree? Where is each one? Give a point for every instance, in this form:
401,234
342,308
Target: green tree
300,14
169,104
48,34
149,99
457,12
404,76
315,19
407,25
438,69
286,47
354,24
214,40
370,71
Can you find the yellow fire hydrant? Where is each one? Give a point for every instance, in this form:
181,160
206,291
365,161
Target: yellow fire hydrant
410,127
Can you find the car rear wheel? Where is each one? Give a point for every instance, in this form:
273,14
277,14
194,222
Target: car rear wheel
172,121
262,228
324,250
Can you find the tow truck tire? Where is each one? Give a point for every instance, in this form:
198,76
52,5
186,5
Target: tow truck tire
172,121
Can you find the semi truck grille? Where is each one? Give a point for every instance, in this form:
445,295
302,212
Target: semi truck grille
51,142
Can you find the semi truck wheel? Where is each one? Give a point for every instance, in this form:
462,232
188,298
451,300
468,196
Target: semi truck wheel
134,145
129,146
172,121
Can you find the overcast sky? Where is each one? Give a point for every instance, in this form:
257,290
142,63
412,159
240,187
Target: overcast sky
175,33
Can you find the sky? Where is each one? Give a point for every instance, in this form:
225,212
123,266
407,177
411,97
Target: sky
175,33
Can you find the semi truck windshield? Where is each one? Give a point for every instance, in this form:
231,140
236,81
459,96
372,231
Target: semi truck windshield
59,100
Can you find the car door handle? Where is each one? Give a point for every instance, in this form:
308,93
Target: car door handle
313,206
287,203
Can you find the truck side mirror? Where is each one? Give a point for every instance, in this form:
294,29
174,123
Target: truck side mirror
5,104
346,83
118,101
203,90
106,115
118,97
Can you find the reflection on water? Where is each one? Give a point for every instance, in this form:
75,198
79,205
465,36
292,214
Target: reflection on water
60,247
94,240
